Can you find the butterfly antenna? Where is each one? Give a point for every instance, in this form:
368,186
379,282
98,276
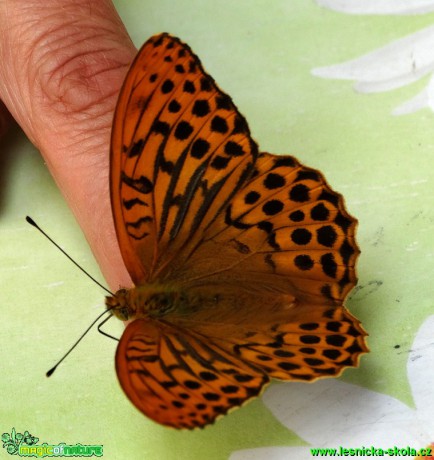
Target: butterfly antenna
51,371
32,222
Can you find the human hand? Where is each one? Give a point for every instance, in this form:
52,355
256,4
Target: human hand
62,65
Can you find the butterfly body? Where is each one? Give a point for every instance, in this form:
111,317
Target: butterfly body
149,301
241,260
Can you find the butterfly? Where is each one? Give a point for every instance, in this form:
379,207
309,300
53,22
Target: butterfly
240,259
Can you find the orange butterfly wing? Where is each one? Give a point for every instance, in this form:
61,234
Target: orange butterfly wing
172,118
177,379
187,370
262,244
286,229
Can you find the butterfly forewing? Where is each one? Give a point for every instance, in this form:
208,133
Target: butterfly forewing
179,379
180,151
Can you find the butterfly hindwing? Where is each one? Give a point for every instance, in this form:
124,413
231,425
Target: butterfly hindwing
284,231
287,338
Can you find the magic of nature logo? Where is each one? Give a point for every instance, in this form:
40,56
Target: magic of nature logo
26,445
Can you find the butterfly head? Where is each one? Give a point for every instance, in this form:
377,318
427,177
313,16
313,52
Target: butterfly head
119,305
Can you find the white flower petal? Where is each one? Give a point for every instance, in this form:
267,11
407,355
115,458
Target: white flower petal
387,85
332,413
379,6
418,102
430,91
396,64
420,368
273,453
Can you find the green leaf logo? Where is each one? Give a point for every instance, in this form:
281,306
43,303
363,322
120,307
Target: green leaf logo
13,441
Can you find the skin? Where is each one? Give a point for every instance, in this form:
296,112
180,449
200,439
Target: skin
62,65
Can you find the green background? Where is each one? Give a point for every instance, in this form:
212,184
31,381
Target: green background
261,53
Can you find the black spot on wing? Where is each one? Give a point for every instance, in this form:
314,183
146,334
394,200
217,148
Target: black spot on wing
142,184
129,204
